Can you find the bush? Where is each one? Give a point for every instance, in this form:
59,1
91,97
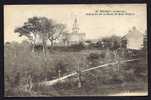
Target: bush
61,65
20,59
77,47
93,59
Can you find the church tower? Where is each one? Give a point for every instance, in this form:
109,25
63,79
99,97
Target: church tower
75,28
75,37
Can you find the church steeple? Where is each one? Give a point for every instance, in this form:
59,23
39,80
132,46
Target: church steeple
75,28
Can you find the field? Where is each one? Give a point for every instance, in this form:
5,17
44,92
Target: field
21,65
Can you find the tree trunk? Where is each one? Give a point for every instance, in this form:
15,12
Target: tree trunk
34,40
44,50
44,56
79,78
44,46
33,46
52,44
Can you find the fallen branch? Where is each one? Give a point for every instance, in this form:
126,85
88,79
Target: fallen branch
52,82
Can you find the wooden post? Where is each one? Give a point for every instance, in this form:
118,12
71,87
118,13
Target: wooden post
79,77
29,82
118,66
118,62
59,73
117,58
79,81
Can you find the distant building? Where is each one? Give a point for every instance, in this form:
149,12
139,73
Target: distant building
75,37
134,39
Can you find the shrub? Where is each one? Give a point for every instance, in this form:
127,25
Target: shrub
77,47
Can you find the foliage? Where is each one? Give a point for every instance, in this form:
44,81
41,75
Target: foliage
17,60
56,32
41,27
113,42
77,47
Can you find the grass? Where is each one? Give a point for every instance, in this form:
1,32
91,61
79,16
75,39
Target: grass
104,81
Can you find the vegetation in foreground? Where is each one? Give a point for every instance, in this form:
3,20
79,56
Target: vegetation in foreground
22,65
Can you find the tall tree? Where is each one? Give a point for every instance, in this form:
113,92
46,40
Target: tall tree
65,38
56,32
42,27
29,30
45,27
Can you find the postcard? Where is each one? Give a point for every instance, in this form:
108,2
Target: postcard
75,50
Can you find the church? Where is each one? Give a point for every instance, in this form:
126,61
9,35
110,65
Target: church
75,37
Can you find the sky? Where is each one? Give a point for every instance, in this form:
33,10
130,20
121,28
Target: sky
96,26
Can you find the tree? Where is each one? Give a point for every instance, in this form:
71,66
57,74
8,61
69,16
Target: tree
29,30
115,40
124,43
43,28
65,38
56,32
112,42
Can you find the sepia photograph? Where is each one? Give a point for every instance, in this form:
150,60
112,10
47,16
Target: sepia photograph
75,50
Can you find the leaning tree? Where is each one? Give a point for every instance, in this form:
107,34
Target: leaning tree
29,30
